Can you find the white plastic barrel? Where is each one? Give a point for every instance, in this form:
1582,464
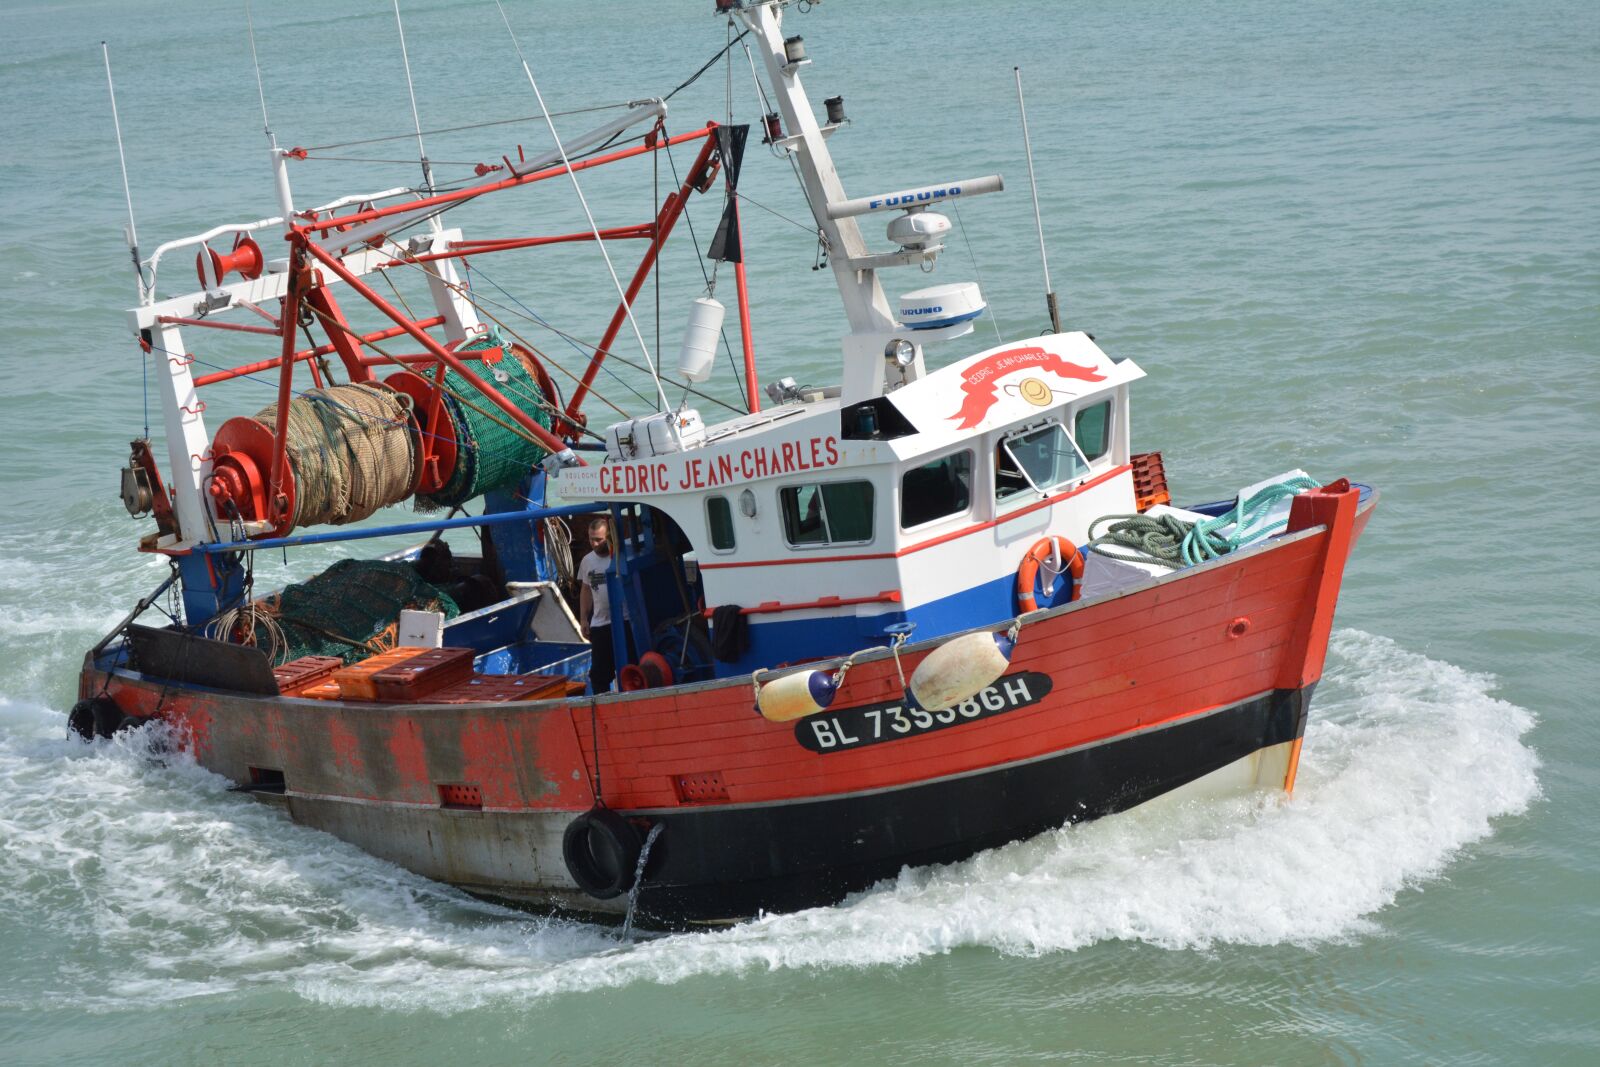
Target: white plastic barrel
700,338
795,696
959,669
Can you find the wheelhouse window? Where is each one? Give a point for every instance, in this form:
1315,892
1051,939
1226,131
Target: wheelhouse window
719,523
1039,459
1091,429
827,513
935,490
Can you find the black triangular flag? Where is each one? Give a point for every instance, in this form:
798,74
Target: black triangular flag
727,245
730,145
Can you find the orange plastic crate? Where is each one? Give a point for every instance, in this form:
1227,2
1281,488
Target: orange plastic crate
355,681
1149,481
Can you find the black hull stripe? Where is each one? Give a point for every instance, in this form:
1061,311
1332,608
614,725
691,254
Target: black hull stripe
725,862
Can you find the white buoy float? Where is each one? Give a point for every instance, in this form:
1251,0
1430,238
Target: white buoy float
699,349
794,696
960,669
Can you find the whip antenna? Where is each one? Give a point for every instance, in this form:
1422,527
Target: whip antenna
593,227
416,121
261,92
127,193
1038,222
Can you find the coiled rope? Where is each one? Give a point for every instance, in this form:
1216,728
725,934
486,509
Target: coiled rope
352,451
1171,542
558,546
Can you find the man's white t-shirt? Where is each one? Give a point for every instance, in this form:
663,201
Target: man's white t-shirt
592,572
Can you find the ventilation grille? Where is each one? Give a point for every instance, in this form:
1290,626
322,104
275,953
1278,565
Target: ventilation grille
701,788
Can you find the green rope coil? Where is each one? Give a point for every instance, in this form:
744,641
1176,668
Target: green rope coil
1171,542
1158,539
489,455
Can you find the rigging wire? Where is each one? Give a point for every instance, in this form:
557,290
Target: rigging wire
766,108
695,240
691,79
416,120
475,301
577,187
534,317
331,322
584,348
812,230
408,162
465,291
472,126
976,270
432,215
395,289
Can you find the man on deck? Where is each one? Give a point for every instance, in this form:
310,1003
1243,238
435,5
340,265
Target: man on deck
594,607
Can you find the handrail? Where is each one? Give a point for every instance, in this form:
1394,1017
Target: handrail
768,607
499,518
261,224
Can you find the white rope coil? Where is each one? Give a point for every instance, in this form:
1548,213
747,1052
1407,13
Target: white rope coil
558,545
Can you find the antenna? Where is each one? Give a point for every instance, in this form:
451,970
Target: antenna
261,92
133,234
416,121
1038,222
548,121
280,171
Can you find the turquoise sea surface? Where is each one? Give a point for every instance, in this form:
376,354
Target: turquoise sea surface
1358,238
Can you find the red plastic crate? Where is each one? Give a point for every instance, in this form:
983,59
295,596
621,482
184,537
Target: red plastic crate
299,673
502,687
421,675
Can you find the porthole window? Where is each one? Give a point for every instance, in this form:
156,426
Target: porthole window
826,513
719,523
935,490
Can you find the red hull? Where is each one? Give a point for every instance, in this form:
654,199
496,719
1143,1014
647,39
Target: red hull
1161,660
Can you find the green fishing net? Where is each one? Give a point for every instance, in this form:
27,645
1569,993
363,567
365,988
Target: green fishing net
349,610
489,455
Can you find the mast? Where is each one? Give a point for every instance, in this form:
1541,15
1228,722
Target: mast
872,324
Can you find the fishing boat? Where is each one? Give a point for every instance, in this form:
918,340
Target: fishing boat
936,607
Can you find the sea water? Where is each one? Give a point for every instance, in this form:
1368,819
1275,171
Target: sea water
1353,238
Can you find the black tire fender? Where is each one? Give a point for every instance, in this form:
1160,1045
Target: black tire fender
601,850
80,720
98,717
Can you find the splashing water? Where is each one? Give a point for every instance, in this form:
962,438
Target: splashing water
638,880
144,880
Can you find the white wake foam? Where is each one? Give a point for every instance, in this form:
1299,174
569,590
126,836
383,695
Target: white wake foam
115,854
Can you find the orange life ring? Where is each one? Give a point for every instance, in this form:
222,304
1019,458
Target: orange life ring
1028,571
